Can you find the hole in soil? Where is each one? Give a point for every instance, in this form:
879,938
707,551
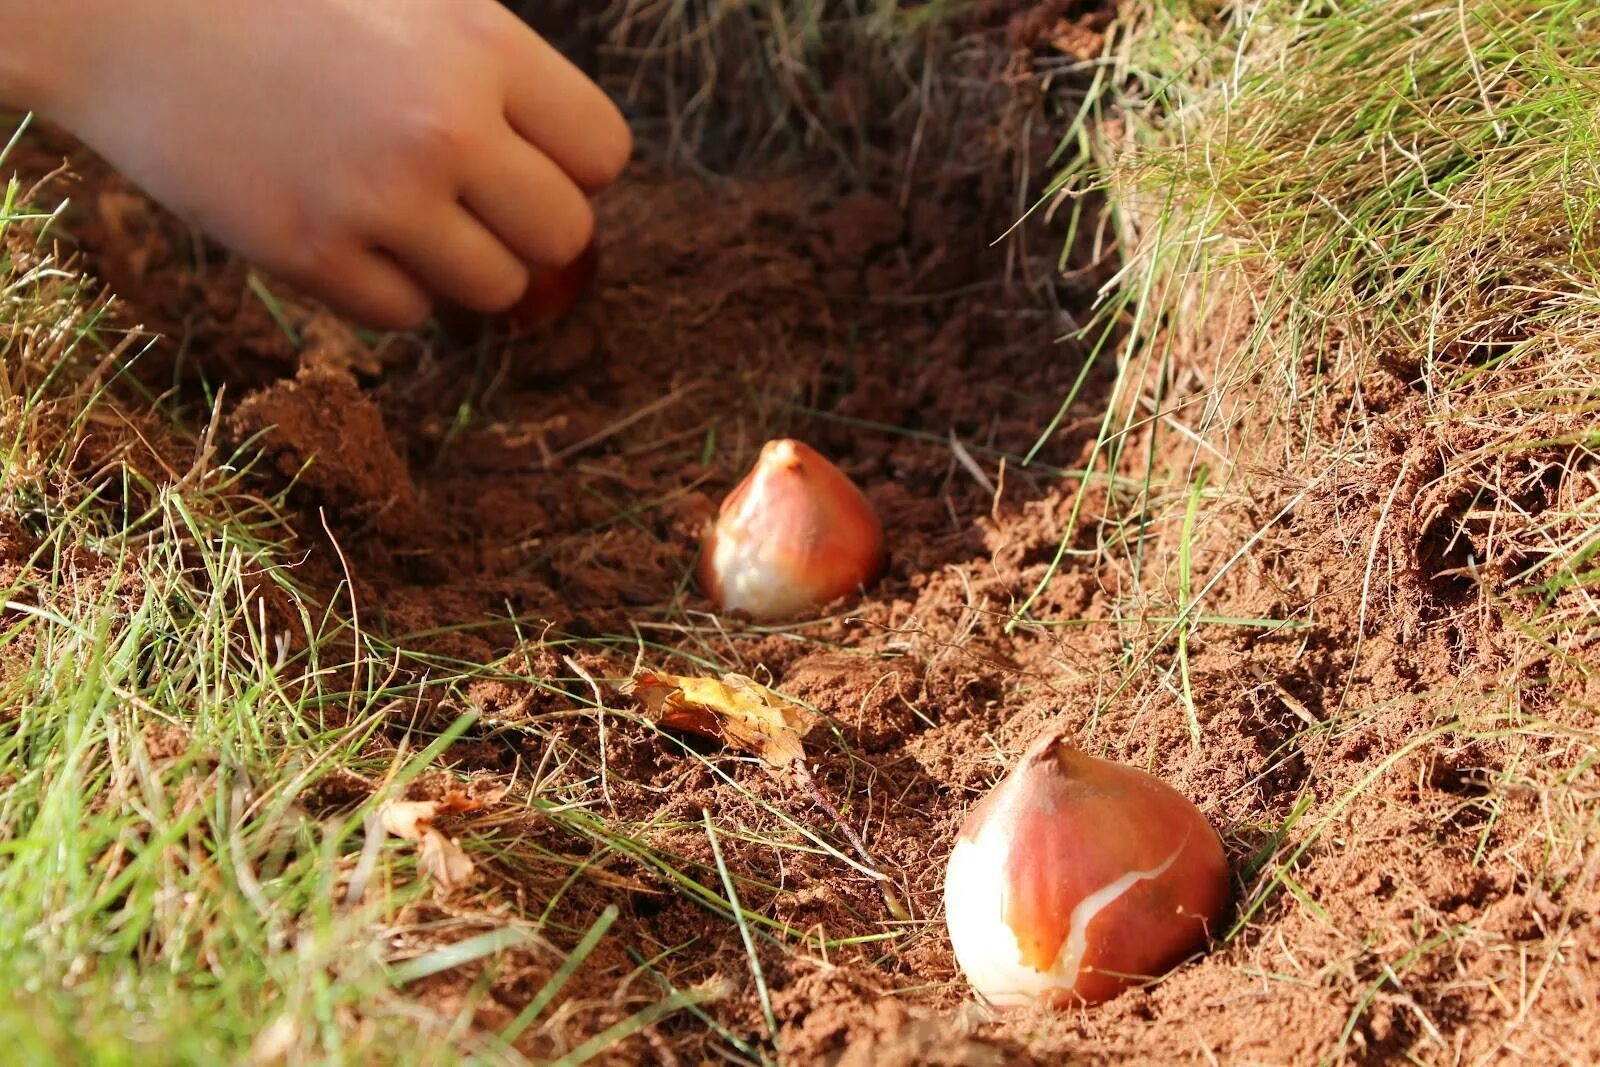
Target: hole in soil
1458,779
1447,558
647,905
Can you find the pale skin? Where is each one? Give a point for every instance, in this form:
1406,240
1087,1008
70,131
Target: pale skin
380,155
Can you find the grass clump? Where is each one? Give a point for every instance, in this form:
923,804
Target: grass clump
1358,385
1378,215
738,83
167,895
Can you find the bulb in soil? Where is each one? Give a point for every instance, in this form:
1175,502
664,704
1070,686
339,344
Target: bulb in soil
1076,878
795,534
554,291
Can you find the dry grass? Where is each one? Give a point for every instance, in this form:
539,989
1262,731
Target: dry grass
742,82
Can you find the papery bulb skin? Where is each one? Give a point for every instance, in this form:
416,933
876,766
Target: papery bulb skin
794,535
553,292
1078,877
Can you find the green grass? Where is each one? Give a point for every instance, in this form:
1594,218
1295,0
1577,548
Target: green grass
170,888
1393,184
148,898
1304,194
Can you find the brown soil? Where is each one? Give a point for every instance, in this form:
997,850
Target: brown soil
564,480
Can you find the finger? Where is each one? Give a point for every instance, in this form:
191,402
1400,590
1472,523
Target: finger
556,108
457,257
531,205
370,288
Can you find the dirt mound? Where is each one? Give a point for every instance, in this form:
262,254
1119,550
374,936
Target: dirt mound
321,430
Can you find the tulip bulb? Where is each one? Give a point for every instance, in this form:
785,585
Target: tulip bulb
794,535
1076,878
554,291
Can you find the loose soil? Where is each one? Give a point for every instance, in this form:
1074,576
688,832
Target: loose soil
517,501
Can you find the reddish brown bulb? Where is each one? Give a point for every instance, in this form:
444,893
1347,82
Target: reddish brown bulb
1077,877
794,535
554,291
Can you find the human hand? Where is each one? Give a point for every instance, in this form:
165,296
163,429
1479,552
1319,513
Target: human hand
376,153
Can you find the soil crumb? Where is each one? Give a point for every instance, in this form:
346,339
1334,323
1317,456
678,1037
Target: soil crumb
322,430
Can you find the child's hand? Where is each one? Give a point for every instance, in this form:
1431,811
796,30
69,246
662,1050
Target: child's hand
374,152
